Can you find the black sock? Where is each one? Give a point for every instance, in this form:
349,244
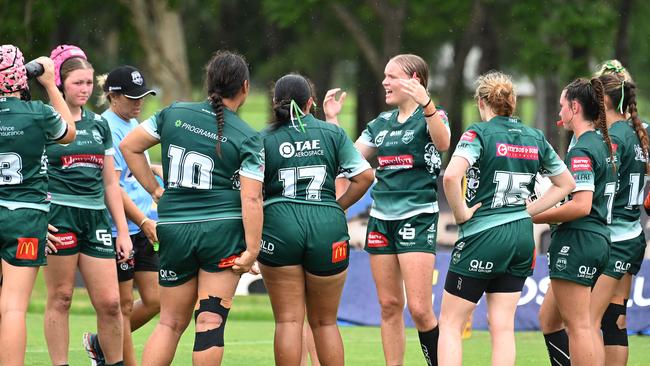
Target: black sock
558,348
118,363
429,343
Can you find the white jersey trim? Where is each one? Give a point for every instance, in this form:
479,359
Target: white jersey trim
197,221
149,126
433,208
251,175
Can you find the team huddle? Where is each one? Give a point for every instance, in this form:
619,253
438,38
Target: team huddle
78,187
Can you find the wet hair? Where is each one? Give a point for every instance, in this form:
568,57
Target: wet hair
497,91
72,64
410,64
622,93
591,96
226,73
289,87
613,67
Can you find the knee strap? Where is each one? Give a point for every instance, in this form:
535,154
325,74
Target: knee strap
612,334
213,337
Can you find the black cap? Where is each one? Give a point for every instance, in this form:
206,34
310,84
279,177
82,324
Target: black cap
128,81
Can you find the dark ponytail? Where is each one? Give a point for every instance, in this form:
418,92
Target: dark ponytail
289,87
226,74
622,94
601,121
638,125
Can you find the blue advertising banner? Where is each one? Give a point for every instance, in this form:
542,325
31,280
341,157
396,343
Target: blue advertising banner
359,304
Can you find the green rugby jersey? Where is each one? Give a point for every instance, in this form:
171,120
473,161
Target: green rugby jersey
302,166
25,129
409,164
200,185
504,155
589,162
75,169
631,172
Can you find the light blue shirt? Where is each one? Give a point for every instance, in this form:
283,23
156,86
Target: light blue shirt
119,129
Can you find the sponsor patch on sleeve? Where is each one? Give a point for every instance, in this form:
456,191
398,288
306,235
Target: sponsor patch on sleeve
580,163
468,136
377,240
339,251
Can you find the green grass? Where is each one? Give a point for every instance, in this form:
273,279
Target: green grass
249,338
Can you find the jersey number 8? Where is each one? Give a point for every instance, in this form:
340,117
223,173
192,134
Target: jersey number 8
10,166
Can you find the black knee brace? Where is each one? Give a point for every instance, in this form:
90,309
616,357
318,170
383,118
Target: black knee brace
213,337
612,334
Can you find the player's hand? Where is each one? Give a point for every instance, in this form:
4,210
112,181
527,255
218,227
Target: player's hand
157,194
244,262
149,230
255,269
413,88
124,248
331,105
48,75
52,241
466,213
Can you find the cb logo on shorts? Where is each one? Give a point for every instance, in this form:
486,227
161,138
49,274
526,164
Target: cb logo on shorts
104,236
407,232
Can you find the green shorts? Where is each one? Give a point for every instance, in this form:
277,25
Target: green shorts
625,256
82,230
210,245
23,236
577,255
313,236
505,249
414,234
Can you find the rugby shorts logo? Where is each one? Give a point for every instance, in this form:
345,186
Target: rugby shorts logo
27,249
561,264
455,258
564,250
621,267
68,240
407,232
377,240
228,262
104,236
339,251
168,275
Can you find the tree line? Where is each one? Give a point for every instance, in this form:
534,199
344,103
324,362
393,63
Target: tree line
347,42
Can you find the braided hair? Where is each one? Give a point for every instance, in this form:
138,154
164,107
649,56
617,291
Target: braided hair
226,73
623,93
591,96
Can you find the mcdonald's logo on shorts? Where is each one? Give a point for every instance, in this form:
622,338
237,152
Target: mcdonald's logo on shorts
27,249
339,251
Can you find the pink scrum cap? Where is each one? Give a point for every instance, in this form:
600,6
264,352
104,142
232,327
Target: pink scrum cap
13,76
61,54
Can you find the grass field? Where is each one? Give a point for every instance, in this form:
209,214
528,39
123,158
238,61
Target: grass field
249,338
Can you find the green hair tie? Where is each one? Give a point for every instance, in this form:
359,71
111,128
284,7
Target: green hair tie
616,68
295,109
620,103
